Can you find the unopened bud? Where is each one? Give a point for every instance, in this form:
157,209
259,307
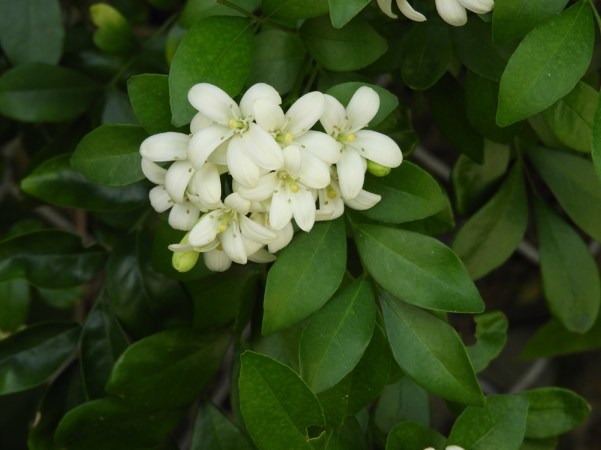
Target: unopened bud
377,169
184,261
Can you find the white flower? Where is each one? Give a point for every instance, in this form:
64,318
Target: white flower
358,145
404,7
454,11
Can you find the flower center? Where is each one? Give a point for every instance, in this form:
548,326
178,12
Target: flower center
225,221
290,182
346,138
284,138
239,126
331,192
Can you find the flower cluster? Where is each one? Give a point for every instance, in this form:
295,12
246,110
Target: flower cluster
454,12
247,170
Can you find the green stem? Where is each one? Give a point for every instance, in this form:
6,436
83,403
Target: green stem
596,13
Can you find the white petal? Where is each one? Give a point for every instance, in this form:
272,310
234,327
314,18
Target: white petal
333,118
183,216
216,260
452,12
180,247
268,115
292,158
409,12
213,103
233,244
200,122
364,200
283,238
207,183
261,256
236,202
386,7
322,145
330,206
242,167
303,209
305,112
219,156
262,190
314,173
351,173
256,92
378,147
478,6
153,172
178,176
255,231
205,142
159,199
206,229
169,146
262,148
362,108
280,212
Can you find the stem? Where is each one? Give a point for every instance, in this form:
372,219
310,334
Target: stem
596,13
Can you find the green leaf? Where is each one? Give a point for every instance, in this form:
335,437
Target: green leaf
277,406
31,31
114,34
491,235
149,97
201,58
57,183
547,64
116,108
32,356
539,444
433,276
347,436
430,351
408,193
499,424
43,93
426,50
574,184
295,9
596,141
342,11
195,10
491,337
571,118
353,47
569,271
14,304
316,259
388,101
402,401
553,411
213,431
278,59
168,369
49,258
337,336
62,298
513,19
552,339
110,155
412,436
102,341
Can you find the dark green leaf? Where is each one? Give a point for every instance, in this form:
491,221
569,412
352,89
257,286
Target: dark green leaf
32,356
552,339
62,298
110,155
14,304
402,401
413,436
276,404
295,9
539,444
388,101
596,141
433,276
342,11
515,18
149,97
547,64
213,431
316,259
18,412
195,10
200,58
424,344
116,108
491,336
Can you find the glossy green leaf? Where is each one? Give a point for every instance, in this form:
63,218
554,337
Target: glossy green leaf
424,344
278,59
433,276
50,258
295,9
316,259
342,50
408,193
110,155
499,424
213,431
200,58
402,401
337,336
491,235
547,64
277,406
569,271
32,356
573,182
43,93
14,304
553,411
411,436
57,183
62,298
114,34
102,342
388,101
195,10
31,31
571,118
282,345
149,97
347,436
552,339
342,11
491,337
167,369
426,54
515,18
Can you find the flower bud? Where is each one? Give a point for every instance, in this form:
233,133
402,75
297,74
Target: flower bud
377,169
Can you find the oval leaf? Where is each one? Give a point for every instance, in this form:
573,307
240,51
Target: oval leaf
515,18
149,98
213,431
491,336
295,9
411,436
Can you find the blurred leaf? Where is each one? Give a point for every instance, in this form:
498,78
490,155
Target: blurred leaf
342,50
14,304
388,101
18,412
552,339
57,183
316,259
433,276
342,11
215,50
114,34
515,18
31,31
347,436
116,108
499,424
62,298
49,258
168,369
570,274
149,97
553,411
282,345
43,93
110,155
539,444
491,235
337,336
294,9
276,404
32,356
430,351
491,337
213,431
412,436
195,10
402,401
547,64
